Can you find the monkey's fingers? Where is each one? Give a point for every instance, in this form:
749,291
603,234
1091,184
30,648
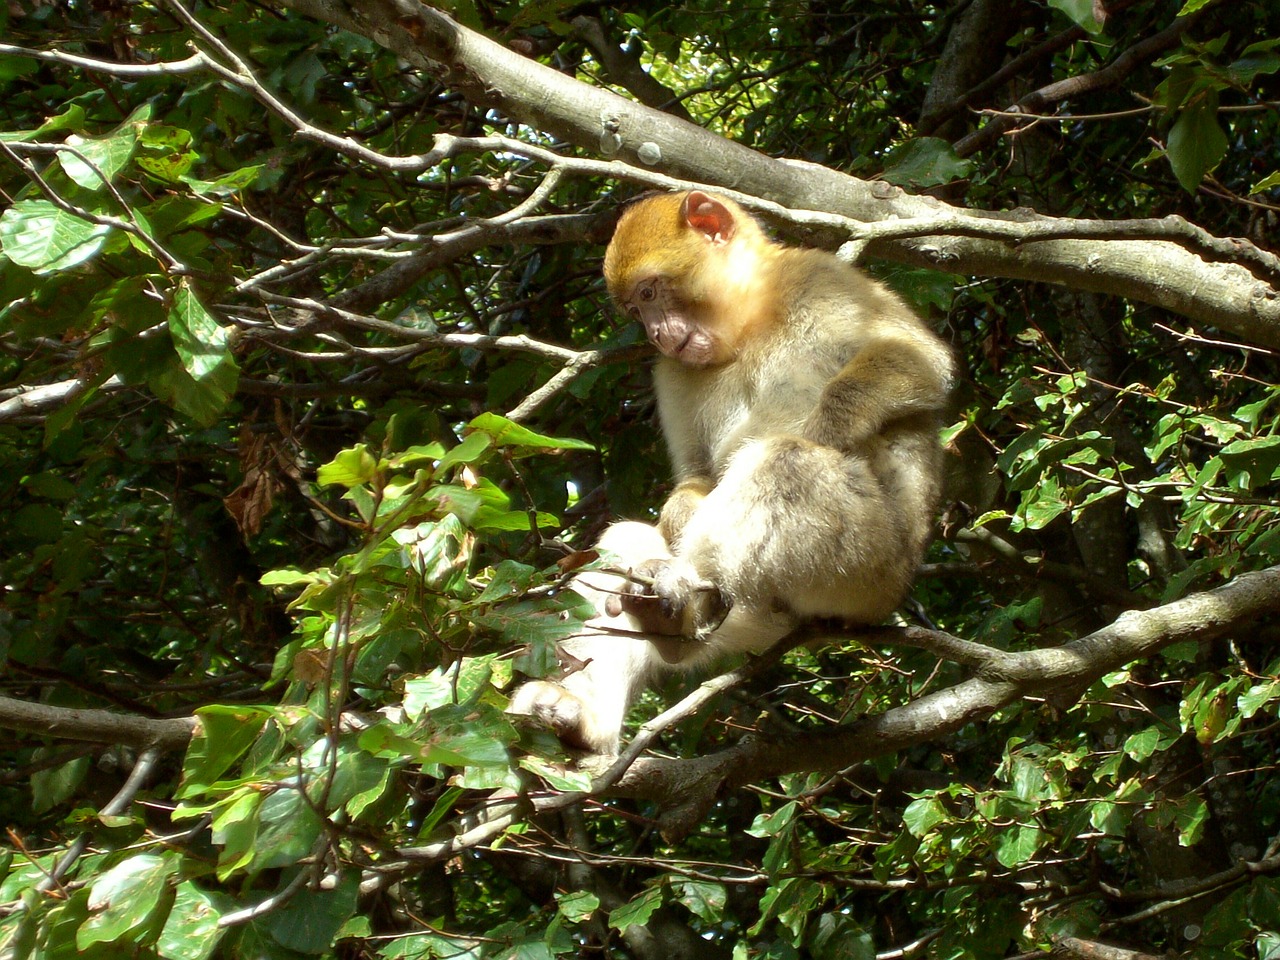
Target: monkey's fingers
651,614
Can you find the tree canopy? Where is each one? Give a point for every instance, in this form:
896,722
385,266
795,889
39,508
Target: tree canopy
312,401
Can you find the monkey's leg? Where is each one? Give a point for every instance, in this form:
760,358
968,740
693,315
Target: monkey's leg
586,708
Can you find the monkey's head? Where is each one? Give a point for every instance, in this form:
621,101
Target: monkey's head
687,266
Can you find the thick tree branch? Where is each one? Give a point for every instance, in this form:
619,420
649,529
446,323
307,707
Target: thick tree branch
685,786
1225,295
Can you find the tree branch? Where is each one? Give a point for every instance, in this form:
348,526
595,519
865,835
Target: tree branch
685,785
1108,76
1225,295
623,67
96,726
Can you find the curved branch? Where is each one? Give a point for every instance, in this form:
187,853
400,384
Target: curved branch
683,786
623,67
1224,295
1108,76
117,805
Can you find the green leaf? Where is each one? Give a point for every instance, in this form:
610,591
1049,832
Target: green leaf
1030,780
37,523
224,734
1251,463
1080,12
510,578
836,936
38,235
167,155
124,898
1191,816
578,906
350,468
774,822
1109,817
923,815
201,400
200,340
1142,744
310,921
54,786
109,154
191,932
1268,182
506,433
536,621
925,162
72,118
1257,697
1042,505
471,449
1196,143
427,692
556,774
638,911
703,898
228,184
1264,902
288,827
792,902
51,486
1017,844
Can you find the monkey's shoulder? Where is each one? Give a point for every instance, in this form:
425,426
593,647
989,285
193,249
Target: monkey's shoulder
840,296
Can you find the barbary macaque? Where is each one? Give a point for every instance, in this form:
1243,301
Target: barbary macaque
800,401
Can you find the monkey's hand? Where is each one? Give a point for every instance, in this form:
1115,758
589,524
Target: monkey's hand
680,602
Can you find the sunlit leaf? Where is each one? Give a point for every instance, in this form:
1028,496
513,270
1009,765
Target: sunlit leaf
191,931
506,433
125,897
107,155
351,467
40,235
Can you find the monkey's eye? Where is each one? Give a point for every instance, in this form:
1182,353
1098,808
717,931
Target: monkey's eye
647,292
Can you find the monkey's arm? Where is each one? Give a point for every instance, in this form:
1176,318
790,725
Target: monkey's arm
890,379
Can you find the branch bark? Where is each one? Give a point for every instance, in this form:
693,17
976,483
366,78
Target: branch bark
96,726
1108,76
685,786
1225,295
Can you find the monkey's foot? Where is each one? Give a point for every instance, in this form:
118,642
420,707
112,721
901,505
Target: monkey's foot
567,715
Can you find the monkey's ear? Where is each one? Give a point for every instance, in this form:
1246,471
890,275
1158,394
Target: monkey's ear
709,217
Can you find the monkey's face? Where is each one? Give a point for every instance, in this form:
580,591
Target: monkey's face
673,323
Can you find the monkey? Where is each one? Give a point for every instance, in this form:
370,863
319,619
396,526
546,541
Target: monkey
801,403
